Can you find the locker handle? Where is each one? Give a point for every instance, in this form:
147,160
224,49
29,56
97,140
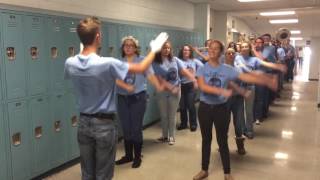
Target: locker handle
34,53
74,121
40,100
16,139
59,96
57,126
11,53
18,104
38,132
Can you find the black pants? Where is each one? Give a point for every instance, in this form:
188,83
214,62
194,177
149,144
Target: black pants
131,111
218,115
188,95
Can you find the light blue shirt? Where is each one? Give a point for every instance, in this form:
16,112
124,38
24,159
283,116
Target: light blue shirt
281,54
94,79
269,52
192,65
247,64
137,80
169,70
218,77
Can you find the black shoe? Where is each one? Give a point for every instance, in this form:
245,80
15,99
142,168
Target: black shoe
193,128
181,127
249,135
123,160
136,163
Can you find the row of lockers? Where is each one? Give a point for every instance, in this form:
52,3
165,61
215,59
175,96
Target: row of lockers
38,116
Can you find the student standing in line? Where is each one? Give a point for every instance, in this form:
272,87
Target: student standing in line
168,70
213,79
188,91
132,102
94,79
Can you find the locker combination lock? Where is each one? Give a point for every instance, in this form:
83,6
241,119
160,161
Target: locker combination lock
11,53
38,132
54,52
57,126
74,121
34,53
16,139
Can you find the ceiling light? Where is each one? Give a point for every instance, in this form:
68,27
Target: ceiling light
296,38
283,21
251,0
278,13
295,32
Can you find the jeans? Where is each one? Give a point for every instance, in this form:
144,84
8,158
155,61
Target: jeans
219,115
290,65
131,111
188,95
168,105
97,142
236,106
249,102
261,102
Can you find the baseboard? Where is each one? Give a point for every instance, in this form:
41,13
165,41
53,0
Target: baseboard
313,79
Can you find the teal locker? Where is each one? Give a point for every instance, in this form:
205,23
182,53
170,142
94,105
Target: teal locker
55,53
34,49
111,34
15,81
3,156
40,121
58,130
152,112
72,123
139,34
104,45
20,129
71,42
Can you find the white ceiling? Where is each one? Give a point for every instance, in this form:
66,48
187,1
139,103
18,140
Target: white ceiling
307,11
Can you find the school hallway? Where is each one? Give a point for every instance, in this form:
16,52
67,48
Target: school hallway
286,146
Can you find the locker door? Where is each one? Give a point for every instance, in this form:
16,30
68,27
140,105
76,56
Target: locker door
138,32
40,120
13,56
152,112
104,45
58,129
71,42
72,123
34,49
113,40
55,54
20,140
3,149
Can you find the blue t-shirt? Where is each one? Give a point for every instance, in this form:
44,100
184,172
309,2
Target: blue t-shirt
138,80
192,65
281,54
247,64
169,70
218,77
269,52
94,79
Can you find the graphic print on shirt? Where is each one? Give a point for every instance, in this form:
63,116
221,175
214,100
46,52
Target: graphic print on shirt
130,79
215,80
172,75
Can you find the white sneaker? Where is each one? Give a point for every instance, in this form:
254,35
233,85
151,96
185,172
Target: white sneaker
171,141
257,122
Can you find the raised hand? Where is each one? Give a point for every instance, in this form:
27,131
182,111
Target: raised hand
157,43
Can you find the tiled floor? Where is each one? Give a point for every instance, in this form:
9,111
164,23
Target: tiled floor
287,146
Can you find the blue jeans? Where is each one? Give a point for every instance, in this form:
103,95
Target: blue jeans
261,103
131,111
188,95
97,142
236,106
168,105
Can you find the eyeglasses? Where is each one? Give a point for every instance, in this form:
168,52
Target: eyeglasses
129,46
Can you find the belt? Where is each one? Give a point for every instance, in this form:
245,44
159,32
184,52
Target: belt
213,105
133,95
99,115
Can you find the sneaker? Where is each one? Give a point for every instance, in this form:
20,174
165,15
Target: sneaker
162,139
257,122
249,135
171,141
201,175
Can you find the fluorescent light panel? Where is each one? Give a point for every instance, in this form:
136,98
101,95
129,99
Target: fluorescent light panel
283,21
295,32
296,38
277,13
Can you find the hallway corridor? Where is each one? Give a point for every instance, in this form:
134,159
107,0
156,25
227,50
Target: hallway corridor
286,146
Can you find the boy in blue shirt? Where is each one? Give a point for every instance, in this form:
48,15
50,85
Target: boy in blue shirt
94,80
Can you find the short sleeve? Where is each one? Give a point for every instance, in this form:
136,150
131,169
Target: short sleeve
258,62
180,64
66,71
200,72
149,71
119,69
199,64
233,74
